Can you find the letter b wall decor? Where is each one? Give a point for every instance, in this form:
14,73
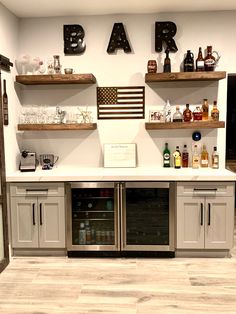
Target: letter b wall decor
74,39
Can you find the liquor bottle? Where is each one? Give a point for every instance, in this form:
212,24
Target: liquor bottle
209,61
167,110
200,61
88,232
167,63
197,114
205,109
187,114
204,157
189,62
82,234
177,116
185,156
215,112
177,158
215,159
5,104
166,156
195,158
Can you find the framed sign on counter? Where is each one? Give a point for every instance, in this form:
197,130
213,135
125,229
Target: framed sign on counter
119,155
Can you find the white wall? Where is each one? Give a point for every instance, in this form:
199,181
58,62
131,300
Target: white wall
8,48
9,26
44,38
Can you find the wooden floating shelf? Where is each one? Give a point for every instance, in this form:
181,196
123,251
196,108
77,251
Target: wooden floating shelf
185,76
56,79
57,127
184,125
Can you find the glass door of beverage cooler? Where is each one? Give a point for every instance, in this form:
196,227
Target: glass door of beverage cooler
147,215
93,217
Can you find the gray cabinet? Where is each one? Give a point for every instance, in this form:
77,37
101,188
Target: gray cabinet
37,215
205,215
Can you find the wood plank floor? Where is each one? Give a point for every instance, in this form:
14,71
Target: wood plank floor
49,285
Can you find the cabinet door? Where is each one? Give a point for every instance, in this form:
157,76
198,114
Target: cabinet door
24,224
219,223
51,218
190,223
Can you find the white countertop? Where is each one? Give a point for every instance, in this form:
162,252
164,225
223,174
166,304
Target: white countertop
63,173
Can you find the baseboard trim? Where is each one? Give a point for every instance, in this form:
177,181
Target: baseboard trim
203,253
39,252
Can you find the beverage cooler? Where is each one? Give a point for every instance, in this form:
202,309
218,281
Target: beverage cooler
120,218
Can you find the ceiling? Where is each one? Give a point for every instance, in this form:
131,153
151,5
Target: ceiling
50,8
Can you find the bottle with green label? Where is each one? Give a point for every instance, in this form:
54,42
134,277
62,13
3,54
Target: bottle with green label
166,156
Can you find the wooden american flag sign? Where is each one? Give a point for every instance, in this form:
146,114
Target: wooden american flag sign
121,102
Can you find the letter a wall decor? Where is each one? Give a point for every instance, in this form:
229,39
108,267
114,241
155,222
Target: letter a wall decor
164,32
74,39
118,39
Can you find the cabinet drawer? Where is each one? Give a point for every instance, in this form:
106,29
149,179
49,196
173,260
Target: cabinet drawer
37,189
205,188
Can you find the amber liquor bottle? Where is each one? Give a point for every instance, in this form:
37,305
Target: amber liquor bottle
167,63
205,109
5,104
187,114
185,157
200,61
215,112
195,158
204,157
209,61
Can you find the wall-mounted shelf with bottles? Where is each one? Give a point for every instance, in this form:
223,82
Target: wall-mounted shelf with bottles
87,78
57,127
184,125
185,76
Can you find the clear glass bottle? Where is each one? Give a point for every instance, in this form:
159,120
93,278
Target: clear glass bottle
197,114
177,116
185,157
177,158
215,112
215,159
195,158
57,65
204,157
200,61
205,109
166,156
187,114
167,110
